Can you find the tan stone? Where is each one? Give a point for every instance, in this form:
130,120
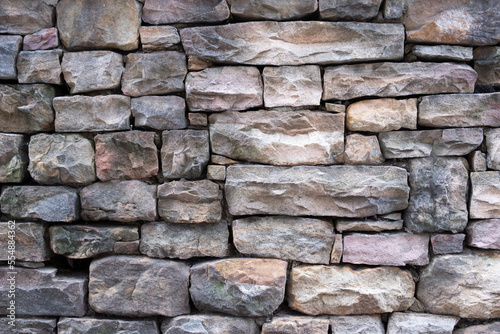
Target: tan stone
336,108
338,249
485,195
222,160
362,150
180,11
296,325
216,172
20,17
158,38
354,225
276,10
39,67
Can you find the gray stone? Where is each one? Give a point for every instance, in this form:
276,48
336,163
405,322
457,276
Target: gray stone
487,65
484,234
349,10
357,324
485,195
362,150
216,172
159,112
296,325
156,38
353,225
274,10
41,40
447,243
209,323
32,325
39,67
13,157
493,148
30,244
198,120
415,323
477,161
9,49
393,9
443,52
179,11
21,17
116,326
492,328
335,107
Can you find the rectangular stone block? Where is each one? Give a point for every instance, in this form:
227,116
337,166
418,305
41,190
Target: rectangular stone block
20,17
180,11
484,234
485,195
296,325
13,157
158,38
354,225
40,67
362,150
357,324
159,112
118,326
443,52
420,323
348,10
487,65
210,323
32,325
447,243
30,243
41,40
9,49
274,10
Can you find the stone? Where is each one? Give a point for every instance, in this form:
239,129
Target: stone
379,225
443,52
209,323
484,234
426,143
93,325
392,9
296,325
362,150
216,172
89,71
491,328
296,86
241,287
347,82
341,290
26,108
20,17
185,153
123,201
477,161
274,10
357,324
461,22
198,120
198,64
9,49
345,191
382,115
92,113
493,148
485,195
338,249
41,40
487,65
288,238
158,38
154,73
294,43
447,243
415,323
30,244
44,292
179,11
224,88
135,286
387,249
222,160
61,159
86,241
334,107
86,24
39,67
349,10
33,325
279,138
13,157
159,112
190,202
126,155
463,285
460,110
51,204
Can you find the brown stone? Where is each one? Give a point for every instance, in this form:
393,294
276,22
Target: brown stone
159,112
222,160
338,249
357,324
493,148
209,323
447,243
41,40
349,10
485,195
362,150
179,11
91,325
484,234
379,225
420,323
30,244
9,49
21,17
275,10
443,52
487,65
13,157
216,172
198,64
39,67
158,38
198,120
296,325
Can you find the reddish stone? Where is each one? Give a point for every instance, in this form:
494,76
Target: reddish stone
42,40
484,234
447,243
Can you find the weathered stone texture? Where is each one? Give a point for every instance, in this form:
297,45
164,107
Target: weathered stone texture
39,67
41,40
357,324
477,161
209,323
353,225
484,234
337,250
179,11
485,195
198,120
159,112
158,38
447,243
362,150
25,17
443,52
296,325
30,242
13,157
415,323
116,326
492,328
276,10
349,10
33,325
216,172
493,148
9,49
487,65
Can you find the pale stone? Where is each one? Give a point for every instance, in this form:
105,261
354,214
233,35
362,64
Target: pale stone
198,120
336,108
41,40
350,225
362,150
296,325
159,112
447,243
357,324
487,65
13,157
158,38
9,49
279,138
443,52
477,161
485,195
492,328
32,325
30,244
39,67
493,148
484,234
116,326
338,249
349,10
209,323
275,10
180,11
415,323
216,172
222,160
20,17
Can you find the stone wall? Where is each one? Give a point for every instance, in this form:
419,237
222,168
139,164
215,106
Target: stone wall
250,166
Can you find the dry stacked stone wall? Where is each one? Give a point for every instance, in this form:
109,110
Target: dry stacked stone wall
250,166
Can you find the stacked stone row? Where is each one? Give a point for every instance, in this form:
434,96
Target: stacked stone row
251,166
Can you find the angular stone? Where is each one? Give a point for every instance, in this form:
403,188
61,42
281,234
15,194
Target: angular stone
52,204
190,202
447,243
222,160
274,10
296,325
41,40
159,112
154,73
198,120
443,52
382,115
341,290
33,325
87,24
42,292
350,225
86,241
198,64
288,238
30,242
216,172
297,86
13,157
92,113
492,328
294,43
362,150
493,148
92,70
348,191
20,17
487,65
137,286
426,143
396,79
39,67
124,201
460,110
126,155
224,88
357,324
393,9
484,234
485,195
415,323
245,287
387,249
61,159
9,49
279,138
179,11
158,38
185,153
92,325
349,10
461,22
334,107
464,285
209,323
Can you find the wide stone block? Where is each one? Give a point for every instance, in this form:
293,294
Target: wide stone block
274,10
396,79
296,325
349,10
279,138
362,150
357,324
447,243
33,325
179,11
40,67
13,157
160,38
493,148
118,326
492,328
137,286
415,323
294,43
345,191
487,65
159,112
379,225
30,244
20,17
9,49
484,234
485,195
41,40
209,323
443,52
340,290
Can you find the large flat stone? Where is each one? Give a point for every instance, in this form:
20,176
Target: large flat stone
21,17
349,10
415,323
41,40
279,138
180,11
116,326
33,325
487,65
13,157
9,49
357,324
485,195
159,112
294,43
348,191
40,67
296,325
493,148
275,10
443,52
30,243
209,323
484,234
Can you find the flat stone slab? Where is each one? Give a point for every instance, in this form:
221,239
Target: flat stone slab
179,11
420,323
348,10
209,323
357,324
485,195
34,325
296,325
484,234
23,18
29,239
354,225
159,112
13,157
158,38
274,10
492,328
93,325
9,49
41,40
447,243
443,52
39,67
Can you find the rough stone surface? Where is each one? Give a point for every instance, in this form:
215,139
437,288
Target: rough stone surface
39,67
289,238
190,202
295,325
216,172
335,107
61,159
159,112
396,79
245,287
92,325
33,325
487,65
485,195
224,88
447,243
279,138
443,52
179,11
124,201
52,204
492,328
477,161
362,150
198,120
484,234
275,10
357,324
349,191
41,40
13,157
340,290
197,64
30,243
222,160
415,323
295,43
158,38
350,225
154,73
184,241
92,113
349,10
493,148
9,49
87,24
209,323
130,286
25,17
